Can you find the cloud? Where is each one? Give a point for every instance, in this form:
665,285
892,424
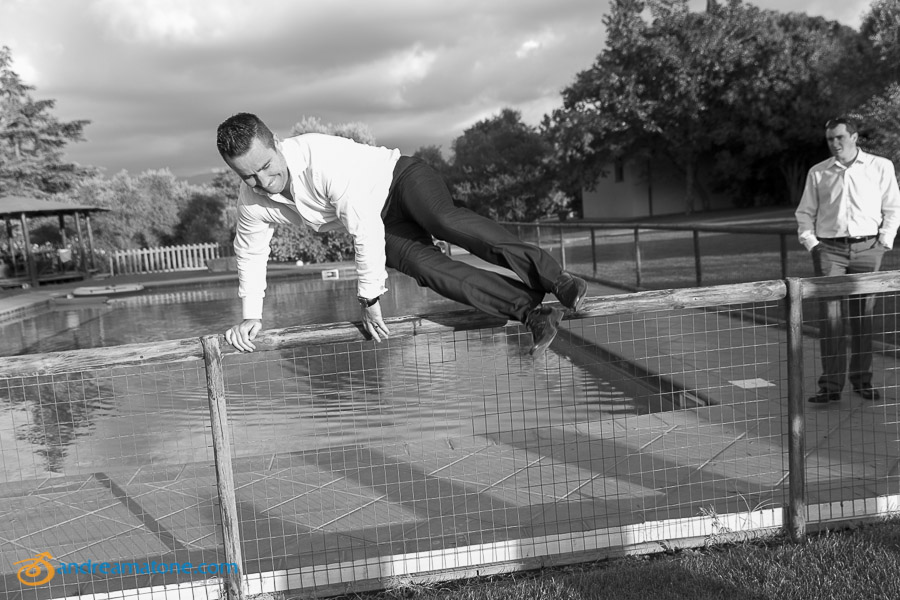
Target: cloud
156,77
183,22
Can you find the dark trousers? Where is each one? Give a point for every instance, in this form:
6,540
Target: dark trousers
419,206
841,316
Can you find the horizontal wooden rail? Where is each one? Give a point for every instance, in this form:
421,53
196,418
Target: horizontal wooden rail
715,295
848,285
631,225
74,361
189,349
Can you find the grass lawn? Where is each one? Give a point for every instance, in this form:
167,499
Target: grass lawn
859,563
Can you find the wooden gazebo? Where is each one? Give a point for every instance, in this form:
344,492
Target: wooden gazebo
22,208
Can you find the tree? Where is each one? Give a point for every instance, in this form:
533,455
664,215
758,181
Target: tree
881,29
641,96
879,115
800,72
501,171
203,220
879,120
735,87
32,140
143,210
356,131
433,156
226,185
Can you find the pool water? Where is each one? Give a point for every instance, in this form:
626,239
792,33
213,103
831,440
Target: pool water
440,386
202,310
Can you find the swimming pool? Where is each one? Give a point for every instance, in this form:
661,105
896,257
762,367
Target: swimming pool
450,385
193,311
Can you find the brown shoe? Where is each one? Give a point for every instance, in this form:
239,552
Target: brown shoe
570,291
543,323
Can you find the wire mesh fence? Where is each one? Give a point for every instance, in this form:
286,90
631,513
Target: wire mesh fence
107,482
656,419
852,446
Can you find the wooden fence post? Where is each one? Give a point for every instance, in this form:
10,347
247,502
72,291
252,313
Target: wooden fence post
796,419
594,249
784,255
215,387
637,256
697,258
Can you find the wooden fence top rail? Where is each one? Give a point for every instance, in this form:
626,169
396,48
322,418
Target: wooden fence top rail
627,225
849,285
189,349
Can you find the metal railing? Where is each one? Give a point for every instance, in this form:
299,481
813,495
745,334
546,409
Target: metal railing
644,255
340,467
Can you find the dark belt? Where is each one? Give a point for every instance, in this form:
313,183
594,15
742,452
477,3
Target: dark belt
849,240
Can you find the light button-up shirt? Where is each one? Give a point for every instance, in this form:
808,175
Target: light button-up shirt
861,199
336,183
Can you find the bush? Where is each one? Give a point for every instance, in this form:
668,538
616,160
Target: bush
291,243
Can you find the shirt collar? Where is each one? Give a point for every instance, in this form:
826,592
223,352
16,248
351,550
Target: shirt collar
861,157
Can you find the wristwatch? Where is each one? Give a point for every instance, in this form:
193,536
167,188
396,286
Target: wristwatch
366,302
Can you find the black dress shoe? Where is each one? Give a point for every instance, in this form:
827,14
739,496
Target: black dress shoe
867,391
824,397
543,323
570,291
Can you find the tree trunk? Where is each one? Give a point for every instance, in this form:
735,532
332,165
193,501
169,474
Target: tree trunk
794,179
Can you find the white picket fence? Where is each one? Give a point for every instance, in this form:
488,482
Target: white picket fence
191,257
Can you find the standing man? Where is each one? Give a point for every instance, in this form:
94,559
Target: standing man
391,205
848,217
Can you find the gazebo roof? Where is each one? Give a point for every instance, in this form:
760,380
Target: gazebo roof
16,205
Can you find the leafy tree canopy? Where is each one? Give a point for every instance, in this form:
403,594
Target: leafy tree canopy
879,120
743,89
144,209
501,169
32,140
356,131
881,29
203,220
433,156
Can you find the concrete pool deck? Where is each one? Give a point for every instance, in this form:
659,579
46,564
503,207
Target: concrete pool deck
322,519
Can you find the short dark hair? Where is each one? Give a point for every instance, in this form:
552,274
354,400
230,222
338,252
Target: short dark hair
236,134
850,124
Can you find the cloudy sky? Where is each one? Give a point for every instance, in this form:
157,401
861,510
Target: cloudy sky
155,77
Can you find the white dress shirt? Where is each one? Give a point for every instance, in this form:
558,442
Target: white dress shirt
336,183
861,199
